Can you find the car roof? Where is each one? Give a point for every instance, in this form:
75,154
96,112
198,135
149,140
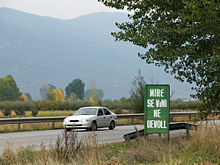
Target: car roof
93,107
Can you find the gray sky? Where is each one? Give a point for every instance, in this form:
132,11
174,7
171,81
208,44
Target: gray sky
65,9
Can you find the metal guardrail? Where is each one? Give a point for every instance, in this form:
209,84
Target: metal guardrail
24,120
172,127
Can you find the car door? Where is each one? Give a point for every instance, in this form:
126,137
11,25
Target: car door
108,117
100,118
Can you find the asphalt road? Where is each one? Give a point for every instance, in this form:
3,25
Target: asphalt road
103,135
47,137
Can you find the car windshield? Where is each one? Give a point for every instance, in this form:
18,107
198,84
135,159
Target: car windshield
85,111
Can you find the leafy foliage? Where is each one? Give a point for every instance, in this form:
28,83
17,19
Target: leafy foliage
28,96
59,95
56,95
118,105
34,111
77,87
19,110
97,92
50,95
183,105
137,93
6,111
94,95
182,36
44,90
23,97
8,89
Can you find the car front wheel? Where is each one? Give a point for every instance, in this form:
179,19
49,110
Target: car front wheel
67,129
93,126
112,125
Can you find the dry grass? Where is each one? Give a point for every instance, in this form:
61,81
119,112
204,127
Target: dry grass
203,148
54,113
29,126
1,114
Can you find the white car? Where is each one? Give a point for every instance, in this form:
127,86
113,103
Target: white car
91,118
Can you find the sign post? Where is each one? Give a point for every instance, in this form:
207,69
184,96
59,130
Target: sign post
157,108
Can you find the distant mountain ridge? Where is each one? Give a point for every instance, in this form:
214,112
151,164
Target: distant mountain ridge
38,50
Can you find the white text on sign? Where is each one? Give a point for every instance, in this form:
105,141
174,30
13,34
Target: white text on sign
156,92
156,124
156,103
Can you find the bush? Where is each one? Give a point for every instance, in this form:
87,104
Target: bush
6,111
118,105
34,112
180,104
19,110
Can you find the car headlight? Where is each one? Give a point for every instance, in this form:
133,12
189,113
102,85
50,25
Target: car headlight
66,120
84,120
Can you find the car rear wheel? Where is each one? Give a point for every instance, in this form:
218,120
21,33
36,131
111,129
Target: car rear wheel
93,126
112,125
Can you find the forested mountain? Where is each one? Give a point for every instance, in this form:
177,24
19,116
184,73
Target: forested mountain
38,50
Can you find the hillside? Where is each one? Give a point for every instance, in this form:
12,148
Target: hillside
38,50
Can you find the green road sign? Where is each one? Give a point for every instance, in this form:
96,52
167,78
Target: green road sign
157,108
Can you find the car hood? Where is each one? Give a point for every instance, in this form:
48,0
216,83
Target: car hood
79,117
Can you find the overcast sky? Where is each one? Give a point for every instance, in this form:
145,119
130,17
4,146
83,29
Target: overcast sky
64,9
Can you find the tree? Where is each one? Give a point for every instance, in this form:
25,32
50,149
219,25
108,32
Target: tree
98,92
137,93
72,97
28,96
44,90
94,95
8,89
59,95
77,87
182,36
50,95
24,98
93,92
55,95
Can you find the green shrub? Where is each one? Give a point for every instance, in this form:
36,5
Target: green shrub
19,110
179,104
34,112
6,111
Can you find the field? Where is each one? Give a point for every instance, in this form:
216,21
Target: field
202,148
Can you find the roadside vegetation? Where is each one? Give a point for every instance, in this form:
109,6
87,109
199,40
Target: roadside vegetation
203,147
53,108
46,108
49,108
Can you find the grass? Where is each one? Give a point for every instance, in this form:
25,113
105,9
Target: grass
29,127
202,148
